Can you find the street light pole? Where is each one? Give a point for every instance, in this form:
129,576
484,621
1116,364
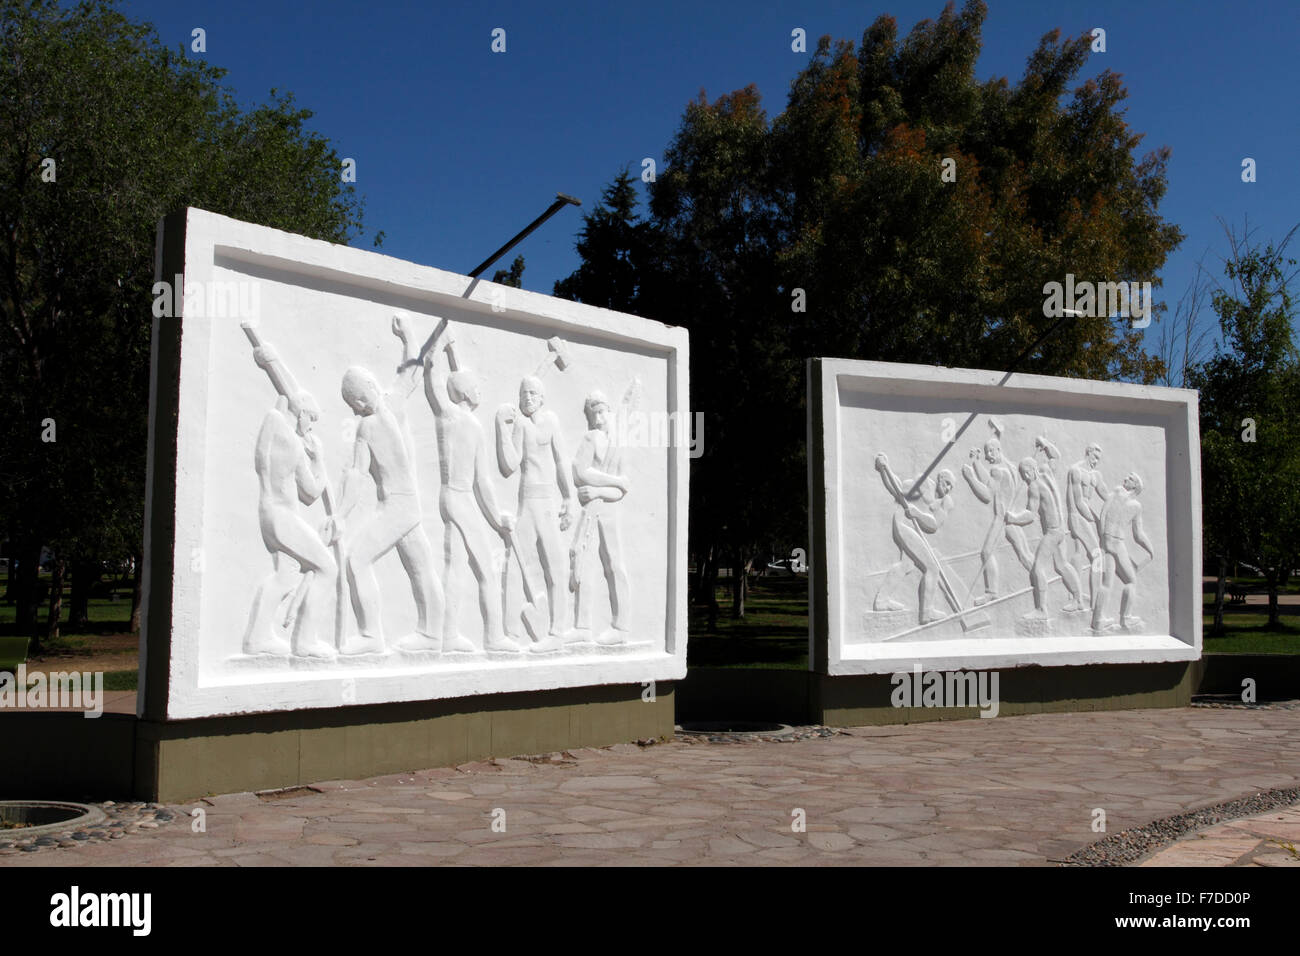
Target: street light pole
561,200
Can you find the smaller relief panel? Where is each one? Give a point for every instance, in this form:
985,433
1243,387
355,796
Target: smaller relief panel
972,519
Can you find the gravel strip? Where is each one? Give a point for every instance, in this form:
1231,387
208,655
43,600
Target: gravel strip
1227,702
122,820
1130,846
780,737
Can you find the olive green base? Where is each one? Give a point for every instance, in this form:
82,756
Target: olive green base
865,700
723,693
59,755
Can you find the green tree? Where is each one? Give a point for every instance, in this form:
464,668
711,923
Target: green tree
897,209
613,246
134,131
1250,436
513,277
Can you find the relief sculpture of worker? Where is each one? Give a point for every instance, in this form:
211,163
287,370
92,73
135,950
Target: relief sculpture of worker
597,468
290,472
466,499
924,506
385,450
529,440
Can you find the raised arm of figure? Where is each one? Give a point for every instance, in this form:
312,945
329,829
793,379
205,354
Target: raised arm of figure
1026,516
435,381
971,471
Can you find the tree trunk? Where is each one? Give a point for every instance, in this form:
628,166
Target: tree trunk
697,582
137,588
56,600
739,585
84,575
11,591
29,562
710,587
1217,629
1274,623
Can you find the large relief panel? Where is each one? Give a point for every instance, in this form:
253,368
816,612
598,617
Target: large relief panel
396,483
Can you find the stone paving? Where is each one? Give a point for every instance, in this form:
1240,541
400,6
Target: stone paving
1268,839
1005,791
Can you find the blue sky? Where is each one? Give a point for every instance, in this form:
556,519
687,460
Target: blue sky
457,147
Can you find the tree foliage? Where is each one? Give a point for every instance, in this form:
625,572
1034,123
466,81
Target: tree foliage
135,131
512,277
1250,435
841,204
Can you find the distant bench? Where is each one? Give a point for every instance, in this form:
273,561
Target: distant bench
1237,592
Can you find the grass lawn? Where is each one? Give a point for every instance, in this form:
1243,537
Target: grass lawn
1250,583
109,614
774,631
772,634
1246,635
105,644
121,680
1245,623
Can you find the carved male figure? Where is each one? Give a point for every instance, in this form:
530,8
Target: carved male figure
1121,514
529,441
1045,455
937,497
996,485
1083,480
385,450
1045,501
290,469
596,473
466,497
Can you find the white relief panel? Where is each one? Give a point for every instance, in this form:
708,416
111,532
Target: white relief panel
973,519
402,491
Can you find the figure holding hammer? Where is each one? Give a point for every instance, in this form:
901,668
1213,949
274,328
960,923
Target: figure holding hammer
466,497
